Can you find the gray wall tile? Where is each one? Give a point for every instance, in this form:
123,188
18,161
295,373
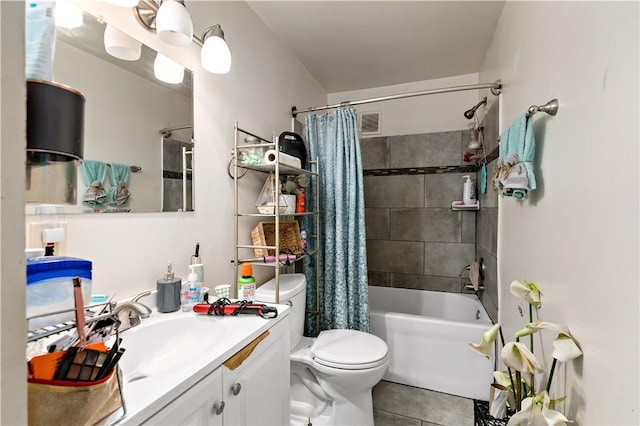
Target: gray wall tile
394,191
427,149
491,127
447,259
490,293
377,223
426,282
468,230
442,189
441,225
395,256
375,152
487,230
380,279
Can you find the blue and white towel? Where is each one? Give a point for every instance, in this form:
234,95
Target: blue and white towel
514,175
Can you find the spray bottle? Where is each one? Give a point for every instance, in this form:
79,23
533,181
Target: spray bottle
190,291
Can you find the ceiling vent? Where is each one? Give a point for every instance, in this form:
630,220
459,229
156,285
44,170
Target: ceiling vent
370,123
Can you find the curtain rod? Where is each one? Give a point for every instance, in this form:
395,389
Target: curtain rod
495,87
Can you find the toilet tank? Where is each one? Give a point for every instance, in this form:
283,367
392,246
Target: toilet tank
293,291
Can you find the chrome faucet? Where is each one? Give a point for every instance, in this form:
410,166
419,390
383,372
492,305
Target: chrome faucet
130,313
466,268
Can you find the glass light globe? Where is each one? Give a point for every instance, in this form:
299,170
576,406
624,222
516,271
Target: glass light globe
173,23
67,15
215,55
120,45
168,70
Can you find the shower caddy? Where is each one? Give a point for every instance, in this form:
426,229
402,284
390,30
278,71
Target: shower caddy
278,169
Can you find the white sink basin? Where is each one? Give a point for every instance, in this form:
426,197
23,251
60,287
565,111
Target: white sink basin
167,344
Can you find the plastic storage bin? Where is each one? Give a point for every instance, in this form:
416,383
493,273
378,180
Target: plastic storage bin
50,287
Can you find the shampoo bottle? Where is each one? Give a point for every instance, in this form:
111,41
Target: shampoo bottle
468,193
168,292
246,283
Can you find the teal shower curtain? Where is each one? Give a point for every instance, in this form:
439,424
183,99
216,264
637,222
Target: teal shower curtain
344,301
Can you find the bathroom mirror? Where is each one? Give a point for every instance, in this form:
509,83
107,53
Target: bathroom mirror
126,108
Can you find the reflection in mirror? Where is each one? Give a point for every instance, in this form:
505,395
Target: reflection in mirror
128,113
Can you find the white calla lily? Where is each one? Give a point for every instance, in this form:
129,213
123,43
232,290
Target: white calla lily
565,346
536,411
517,356
526,291
485,347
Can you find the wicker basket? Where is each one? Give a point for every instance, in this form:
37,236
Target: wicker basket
265,235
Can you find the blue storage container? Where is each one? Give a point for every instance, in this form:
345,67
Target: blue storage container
50,287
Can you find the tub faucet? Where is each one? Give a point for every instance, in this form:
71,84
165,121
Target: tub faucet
466,268
130,313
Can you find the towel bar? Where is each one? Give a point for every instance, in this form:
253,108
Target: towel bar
550,108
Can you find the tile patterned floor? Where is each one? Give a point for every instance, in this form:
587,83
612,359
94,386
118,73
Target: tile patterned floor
400,405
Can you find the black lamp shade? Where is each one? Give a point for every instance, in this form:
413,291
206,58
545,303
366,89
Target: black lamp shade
55,119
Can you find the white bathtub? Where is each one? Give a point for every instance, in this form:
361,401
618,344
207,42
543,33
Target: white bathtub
428,334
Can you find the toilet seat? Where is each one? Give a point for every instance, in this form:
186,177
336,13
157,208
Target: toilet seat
349,350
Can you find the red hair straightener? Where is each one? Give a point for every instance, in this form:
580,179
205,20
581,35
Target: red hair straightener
224,307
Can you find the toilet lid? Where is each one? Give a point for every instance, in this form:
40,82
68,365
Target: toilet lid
349,349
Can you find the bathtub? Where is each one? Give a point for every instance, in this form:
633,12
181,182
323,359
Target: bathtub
428,334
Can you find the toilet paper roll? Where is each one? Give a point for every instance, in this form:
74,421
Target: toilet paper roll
271,155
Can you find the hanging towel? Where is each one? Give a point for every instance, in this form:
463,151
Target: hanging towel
119,178
514,175
483,178
93,174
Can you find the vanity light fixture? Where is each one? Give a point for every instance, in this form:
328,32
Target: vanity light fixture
173,23
67,15
215,54
120,45
175,27
167,70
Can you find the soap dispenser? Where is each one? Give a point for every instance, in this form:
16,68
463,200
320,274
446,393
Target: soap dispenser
168,291
468,193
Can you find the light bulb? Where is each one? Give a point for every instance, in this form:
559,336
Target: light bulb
173,23
120,45
168,70
215,55
67,15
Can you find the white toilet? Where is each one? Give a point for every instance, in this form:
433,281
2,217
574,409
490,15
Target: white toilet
331,375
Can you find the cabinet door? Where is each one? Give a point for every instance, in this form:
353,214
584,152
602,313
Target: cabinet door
200,405
257,391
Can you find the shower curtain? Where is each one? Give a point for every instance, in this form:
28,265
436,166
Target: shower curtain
343,295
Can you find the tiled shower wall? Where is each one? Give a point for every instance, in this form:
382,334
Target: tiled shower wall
414,239
487,218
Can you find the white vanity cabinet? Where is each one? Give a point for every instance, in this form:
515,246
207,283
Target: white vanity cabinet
249,388
199,406
257,391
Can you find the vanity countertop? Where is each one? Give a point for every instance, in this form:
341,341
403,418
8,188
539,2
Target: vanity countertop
168,353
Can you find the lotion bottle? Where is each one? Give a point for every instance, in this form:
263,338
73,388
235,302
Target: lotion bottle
468,193
246,283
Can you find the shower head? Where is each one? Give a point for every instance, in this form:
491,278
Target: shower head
468,114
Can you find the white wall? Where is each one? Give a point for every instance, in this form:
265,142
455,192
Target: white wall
13,386
421,114
577,236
